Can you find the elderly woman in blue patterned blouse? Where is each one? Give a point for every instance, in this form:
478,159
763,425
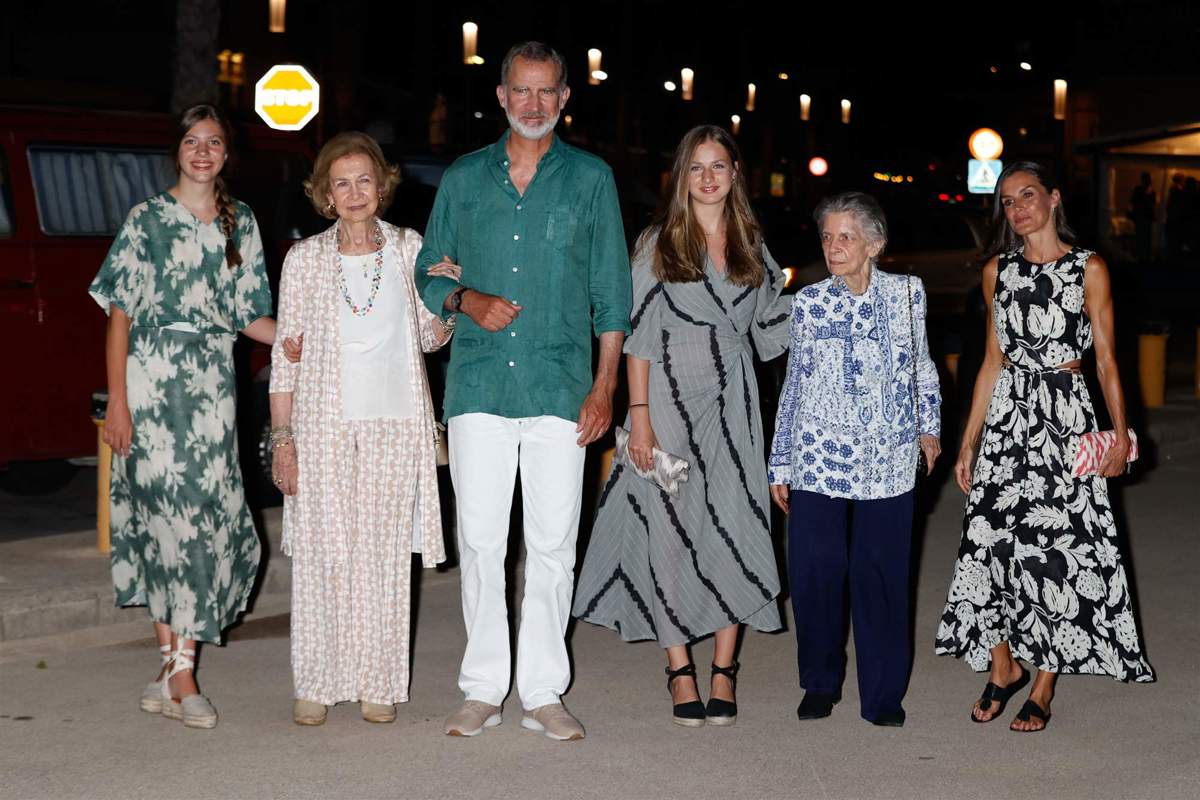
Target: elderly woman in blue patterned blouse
861,395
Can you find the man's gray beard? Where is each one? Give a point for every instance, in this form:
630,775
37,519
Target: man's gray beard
526,132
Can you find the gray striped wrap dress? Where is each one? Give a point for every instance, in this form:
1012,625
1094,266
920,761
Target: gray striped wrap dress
675,569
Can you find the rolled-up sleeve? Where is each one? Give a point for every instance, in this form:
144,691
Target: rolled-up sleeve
441,239
929,390
290,322
609,285
779,463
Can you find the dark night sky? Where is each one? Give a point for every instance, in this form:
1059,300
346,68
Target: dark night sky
918,74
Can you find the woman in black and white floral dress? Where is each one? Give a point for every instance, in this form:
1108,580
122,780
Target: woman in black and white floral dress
1039,577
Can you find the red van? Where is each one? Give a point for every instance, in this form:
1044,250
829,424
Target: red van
67,180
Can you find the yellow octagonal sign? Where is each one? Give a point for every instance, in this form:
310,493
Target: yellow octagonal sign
287,97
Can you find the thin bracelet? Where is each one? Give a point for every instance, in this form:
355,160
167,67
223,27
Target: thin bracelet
635,405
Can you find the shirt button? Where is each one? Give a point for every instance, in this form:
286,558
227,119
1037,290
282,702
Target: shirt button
518,208
512,333
512,363
516,237
516,269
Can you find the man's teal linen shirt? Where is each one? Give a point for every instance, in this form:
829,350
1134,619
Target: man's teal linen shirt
558,252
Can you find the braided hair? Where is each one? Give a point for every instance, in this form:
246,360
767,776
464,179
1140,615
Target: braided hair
228,216
226,210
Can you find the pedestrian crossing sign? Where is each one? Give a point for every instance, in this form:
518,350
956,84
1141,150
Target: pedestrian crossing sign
982,175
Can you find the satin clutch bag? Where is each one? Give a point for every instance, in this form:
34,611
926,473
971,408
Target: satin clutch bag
1092,447
668,469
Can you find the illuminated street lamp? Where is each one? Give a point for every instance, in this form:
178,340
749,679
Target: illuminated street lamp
1060,99
818,166
737,124
594,67
985,144
470,38
845,111
277,13
1025,65
750,91
669,85
685,82
805,107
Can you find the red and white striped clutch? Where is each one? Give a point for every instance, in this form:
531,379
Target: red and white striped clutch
1093,446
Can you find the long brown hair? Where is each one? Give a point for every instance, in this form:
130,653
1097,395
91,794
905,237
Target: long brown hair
226,211
680,252
1003,238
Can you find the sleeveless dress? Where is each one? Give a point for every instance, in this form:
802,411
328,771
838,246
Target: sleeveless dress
1038,566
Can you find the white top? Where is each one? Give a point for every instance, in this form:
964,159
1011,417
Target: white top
376,377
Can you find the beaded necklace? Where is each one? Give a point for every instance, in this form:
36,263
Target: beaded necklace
376,279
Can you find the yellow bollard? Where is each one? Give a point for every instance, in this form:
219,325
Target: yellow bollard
1152,368
606,462
103,478
952,366
1198,362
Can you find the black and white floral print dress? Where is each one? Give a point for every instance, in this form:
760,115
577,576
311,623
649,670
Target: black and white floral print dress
1038,566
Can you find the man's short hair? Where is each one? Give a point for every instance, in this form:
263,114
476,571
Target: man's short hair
534,51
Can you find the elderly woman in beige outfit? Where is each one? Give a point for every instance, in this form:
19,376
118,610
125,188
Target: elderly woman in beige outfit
353,434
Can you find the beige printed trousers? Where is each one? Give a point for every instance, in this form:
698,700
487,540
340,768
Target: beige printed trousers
350,620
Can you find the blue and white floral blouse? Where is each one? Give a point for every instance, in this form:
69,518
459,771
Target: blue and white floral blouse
845,426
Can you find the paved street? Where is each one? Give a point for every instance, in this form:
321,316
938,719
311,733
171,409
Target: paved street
69,724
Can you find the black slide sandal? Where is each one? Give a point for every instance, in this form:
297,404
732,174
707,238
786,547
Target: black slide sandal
1032,709
1000,694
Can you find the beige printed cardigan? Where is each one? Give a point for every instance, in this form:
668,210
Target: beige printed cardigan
315,518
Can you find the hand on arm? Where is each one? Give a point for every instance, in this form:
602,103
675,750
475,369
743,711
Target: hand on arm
118,423
1097,299
595,415
985,382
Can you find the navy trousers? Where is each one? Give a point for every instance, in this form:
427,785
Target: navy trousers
868,541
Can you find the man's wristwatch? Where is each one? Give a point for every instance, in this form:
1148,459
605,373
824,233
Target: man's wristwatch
454,301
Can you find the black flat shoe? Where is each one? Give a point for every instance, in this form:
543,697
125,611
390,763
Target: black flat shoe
718,711
1032,709
999,694
689,714
890,719
816,705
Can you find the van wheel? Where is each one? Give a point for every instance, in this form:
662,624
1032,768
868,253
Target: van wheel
26,478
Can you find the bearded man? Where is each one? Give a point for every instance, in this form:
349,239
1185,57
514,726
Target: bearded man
535,225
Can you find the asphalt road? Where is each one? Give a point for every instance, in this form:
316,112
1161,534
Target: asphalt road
70,726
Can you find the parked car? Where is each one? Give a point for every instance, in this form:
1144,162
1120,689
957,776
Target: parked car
68,177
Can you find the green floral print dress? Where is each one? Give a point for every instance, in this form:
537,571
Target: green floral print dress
183,542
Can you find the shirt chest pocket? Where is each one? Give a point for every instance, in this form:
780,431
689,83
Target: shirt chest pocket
562,226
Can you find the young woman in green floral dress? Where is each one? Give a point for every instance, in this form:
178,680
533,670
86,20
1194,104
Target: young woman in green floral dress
184,276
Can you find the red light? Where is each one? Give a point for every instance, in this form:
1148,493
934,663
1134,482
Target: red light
958,198
945,198
933,167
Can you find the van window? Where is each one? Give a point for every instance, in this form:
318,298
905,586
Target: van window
6,221
88,191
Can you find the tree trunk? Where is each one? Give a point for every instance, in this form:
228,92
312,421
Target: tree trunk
195,79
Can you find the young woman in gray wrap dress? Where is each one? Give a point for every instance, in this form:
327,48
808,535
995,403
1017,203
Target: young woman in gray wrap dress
678,568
